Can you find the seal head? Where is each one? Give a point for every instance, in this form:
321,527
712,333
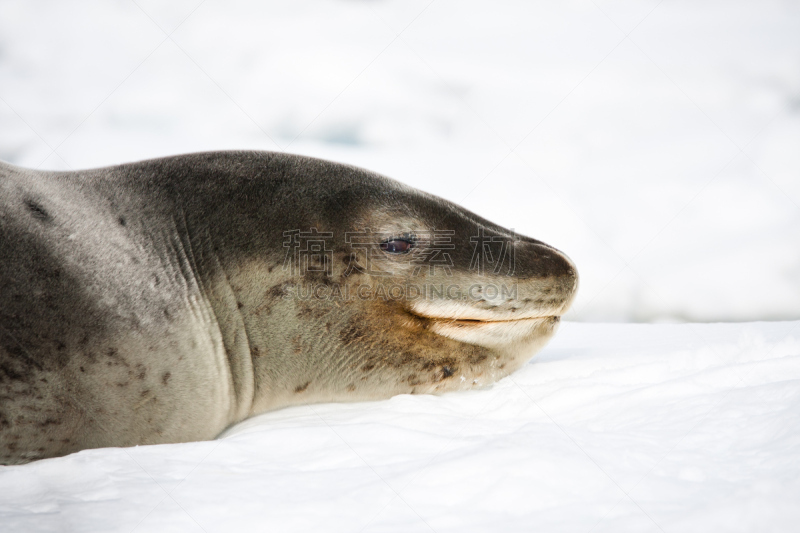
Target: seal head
163,301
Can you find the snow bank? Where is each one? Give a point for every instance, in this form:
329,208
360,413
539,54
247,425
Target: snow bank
611,428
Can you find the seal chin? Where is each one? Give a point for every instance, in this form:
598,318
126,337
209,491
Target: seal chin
497,334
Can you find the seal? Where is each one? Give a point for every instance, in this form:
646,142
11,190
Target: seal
165,300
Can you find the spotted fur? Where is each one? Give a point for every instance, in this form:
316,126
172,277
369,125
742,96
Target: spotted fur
149,302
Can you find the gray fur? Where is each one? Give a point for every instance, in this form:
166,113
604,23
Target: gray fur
148,302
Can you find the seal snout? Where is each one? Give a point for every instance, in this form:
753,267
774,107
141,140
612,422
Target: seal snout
539,260
546,277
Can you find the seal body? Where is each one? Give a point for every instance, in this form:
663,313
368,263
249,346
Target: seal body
163,301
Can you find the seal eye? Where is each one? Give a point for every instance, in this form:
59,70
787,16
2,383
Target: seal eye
397,246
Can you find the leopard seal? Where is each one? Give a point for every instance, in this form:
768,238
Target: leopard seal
165,300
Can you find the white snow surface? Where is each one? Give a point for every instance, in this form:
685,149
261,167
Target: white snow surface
655,142
612,427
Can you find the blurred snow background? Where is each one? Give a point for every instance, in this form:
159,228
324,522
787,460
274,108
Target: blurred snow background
654,142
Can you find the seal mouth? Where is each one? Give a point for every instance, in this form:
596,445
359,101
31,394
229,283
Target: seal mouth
465,316
492,333
485,313
477,322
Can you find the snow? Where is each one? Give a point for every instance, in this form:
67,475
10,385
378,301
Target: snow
612,427
654,142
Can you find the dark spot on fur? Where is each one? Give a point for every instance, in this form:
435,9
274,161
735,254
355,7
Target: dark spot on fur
264,307
351,387
312,312
112,352
49,421
276,291
37,211
368,367
121,221
352,266
354,333
239,305
321,275
141,371
447,371
10,372
22,361
165,377
477,358
82,369
301,388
